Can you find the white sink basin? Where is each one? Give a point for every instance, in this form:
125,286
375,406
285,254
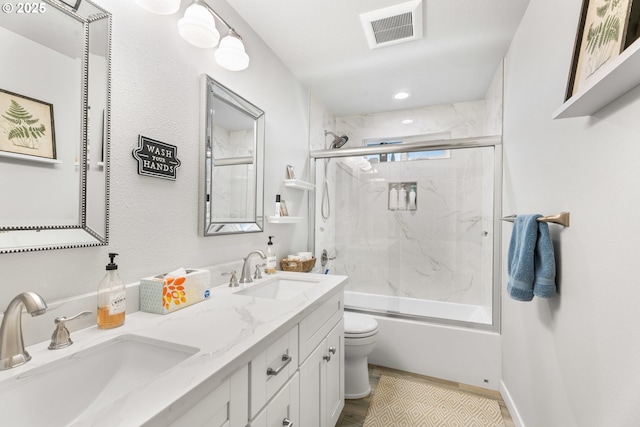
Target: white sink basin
62,391
279,289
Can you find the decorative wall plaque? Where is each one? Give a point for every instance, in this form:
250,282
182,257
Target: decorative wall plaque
156,158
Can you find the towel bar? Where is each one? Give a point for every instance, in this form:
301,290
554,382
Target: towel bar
562,218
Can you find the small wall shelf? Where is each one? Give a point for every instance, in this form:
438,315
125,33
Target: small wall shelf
609,83
284,219
300,185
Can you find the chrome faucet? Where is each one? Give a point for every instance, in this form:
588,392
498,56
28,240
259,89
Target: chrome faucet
245,277
12,352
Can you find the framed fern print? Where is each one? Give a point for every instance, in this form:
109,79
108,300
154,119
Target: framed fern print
26,126
600,38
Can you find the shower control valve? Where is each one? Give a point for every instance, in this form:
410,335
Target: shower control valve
325,258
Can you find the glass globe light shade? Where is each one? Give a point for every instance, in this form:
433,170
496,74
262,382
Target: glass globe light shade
161,7
198,27
231,55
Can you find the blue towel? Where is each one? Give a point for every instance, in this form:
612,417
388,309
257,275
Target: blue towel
531,260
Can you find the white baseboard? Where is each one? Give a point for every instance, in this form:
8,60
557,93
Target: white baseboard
511,405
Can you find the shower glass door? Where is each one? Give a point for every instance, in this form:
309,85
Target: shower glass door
413,230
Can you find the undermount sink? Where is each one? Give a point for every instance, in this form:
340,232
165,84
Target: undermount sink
279,288
61,392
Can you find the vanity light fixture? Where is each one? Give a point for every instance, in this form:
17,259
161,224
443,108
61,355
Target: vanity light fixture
198,27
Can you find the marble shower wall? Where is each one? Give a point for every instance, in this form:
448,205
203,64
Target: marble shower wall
459,120
435,252
321,119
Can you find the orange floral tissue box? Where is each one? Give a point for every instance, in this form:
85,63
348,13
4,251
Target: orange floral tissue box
169,292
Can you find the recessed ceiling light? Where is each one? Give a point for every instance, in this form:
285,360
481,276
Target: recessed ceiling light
401,95
407,121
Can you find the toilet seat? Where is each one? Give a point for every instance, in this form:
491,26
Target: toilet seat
359,325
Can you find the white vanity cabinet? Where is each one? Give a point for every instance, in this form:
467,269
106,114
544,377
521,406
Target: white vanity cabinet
294,378
308,389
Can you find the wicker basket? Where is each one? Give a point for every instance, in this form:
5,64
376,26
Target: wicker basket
296,265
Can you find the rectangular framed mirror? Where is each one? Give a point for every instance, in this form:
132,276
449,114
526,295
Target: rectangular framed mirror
60,57
232,162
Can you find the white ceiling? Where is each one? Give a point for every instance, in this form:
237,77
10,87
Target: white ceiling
323,43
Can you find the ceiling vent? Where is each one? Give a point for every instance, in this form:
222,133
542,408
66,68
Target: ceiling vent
395,24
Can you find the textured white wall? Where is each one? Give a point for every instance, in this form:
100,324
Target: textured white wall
572,360
155,92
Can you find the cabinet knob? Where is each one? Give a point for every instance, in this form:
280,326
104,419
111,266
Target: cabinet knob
287,423
332,350
326,357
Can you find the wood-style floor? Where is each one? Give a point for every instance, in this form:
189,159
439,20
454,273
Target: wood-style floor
355,410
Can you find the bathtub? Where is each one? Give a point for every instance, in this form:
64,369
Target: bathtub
446,351
435,310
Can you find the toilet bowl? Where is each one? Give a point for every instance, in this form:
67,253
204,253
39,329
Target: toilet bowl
360,336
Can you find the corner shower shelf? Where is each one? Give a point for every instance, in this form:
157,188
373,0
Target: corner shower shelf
300,185
611,82
284,219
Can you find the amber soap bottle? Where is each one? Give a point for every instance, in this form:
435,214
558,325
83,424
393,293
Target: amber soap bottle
112,297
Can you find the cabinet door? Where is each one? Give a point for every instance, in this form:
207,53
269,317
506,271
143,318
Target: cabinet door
335,374
322,382
312,385
283,409
315,327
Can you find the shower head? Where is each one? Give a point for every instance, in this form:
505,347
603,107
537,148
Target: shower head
338,141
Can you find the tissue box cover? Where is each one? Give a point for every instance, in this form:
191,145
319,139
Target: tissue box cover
164,293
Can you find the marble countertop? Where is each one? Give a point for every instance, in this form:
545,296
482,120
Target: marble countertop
228,329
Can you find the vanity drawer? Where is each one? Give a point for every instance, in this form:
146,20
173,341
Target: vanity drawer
284,409
315,327
226,406
271,369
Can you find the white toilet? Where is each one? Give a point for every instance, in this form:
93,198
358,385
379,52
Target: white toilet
360,335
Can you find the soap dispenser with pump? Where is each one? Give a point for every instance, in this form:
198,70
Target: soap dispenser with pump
412,198
271,258
112,297
402,198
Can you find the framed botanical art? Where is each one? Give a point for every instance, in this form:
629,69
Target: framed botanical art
26,126
600,38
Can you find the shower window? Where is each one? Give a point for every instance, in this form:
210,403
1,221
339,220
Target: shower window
435,261
404,156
